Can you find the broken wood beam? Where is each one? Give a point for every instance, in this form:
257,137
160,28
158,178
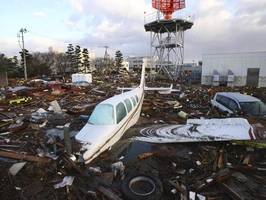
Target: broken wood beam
145,155
73,165
178,187
23,156
231,192
108,193
219,177
67,139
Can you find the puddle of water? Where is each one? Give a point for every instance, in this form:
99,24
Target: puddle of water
134,149
129,150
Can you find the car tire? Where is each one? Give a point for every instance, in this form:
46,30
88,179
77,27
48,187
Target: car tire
153,191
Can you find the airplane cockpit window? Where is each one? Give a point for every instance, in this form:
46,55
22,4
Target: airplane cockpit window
103,114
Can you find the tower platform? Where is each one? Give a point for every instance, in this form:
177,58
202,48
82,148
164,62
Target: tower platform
164,26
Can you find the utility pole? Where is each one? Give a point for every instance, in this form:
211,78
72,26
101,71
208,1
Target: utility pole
106,56
22,31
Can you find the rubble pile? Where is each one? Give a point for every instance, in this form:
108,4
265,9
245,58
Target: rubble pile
205,171
36,160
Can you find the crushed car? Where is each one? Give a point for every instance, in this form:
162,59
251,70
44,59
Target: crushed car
237,103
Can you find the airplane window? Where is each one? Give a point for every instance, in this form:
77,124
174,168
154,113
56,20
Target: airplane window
128,104
121,112
133,100
137,99
103,114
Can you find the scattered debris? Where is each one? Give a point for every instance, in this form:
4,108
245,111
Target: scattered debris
67,181
182,114
108,193
33,132
56,107
118,168
95,170
16,168
145,155
23,156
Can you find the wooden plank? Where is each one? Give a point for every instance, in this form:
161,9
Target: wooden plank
23,156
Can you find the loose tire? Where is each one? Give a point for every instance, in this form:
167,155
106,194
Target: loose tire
141,187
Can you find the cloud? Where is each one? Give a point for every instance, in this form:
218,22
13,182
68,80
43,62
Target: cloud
250,6
117,23
41,44
34,44
10,45
219,26
39,14
115,8
226,27
78,4
118,36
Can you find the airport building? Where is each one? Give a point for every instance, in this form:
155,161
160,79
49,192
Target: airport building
136,63
191,72
234,69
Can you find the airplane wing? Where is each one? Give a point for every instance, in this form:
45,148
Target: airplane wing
125,89
161,90
202,130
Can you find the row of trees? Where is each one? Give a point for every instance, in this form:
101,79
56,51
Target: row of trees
74,60
8,64
78,60
38,64
118,60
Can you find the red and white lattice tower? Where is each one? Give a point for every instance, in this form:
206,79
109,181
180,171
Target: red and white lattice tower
167,38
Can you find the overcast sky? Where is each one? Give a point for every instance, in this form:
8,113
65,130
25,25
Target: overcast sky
219,25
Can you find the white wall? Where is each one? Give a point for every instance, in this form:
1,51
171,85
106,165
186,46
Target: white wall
238,63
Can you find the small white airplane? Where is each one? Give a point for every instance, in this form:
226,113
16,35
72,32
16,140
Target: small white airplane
109,121
160,90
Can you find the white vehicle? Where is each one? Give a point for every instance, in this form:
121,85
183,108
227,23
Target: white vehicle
39,81
234,102
109,121
81,78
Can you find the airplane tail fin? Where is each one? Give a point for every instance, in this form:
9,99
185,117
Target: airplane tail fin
142,80
171,87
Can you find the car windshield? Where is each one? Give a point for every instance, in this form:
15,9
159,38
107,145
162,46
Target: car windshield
103,114
254,108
